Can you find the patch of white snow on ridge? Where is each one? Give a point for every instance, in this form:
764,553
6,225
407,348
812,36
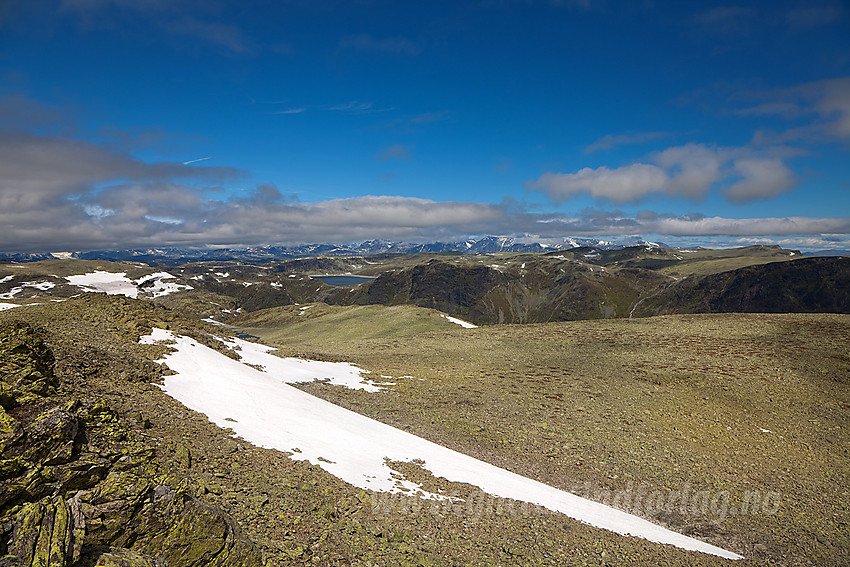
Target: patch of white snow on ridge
298,370
7,278
5,306
272,414
110,283
154,285
11,293
42,286
461,322
117,283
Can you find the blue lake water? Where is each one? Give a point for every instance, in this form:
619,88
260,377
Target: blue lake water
342,281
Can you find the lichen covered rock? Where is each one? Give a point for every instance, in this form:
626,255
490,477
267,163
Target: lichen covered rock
26,366
78,490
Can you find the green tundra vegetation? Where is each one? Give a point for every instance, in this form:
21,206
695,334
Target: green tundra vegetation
729,427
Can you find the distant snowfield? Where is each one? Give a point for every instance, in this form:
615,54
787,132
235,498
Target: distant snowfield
42,286
117,283
154,284
110,283
4,306
263,409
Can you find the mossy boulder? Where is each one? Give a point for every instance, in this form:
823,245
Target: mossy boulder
43,535
26,366
79,490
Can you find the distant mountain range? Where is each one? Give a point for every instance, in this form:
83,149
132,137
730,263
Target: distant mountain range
487,244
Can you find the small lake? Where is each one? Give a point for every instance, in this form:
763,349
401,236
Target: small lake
341,281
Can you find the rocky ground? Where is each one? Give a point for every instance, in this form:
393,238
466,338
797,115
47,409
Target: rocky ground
81,488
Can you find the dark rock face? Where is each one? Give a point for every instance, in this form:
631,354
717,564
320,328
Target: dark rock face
544,289
77,490
810,285
458,290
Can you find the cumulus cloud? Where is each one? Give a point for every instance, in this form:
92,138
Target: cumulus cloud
68,194
688,171
65,194
691,169
620,185
761,179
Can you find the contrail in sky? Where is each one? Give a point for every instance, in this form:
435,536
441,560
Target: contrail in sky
194,160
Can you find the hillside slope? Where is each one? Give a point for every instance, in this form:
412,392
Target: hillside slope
809,285
723,406
528,289
729,408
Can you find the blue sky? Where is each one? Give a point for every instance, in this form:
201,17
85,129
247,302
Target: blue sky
141,123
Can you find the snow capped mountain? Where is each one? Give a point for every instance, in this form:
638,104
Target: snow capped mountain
484,245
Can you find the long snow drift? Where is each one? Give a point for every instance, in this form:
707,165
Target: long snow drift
263,409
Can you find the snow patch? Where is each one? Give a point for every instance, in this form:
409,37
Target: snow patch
42,286
117,283
156,287
272,414
5,306
460,322
298,370
110,283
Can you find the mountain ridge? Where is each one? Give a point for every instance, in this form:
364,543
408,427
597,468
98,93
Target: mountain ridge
259,254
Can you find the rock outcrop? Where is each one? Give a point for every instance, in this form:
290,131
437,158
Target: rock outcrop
77,489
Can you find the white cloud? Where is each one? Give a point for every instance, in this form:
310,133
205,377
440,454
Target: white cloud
620,185
692,168
761,179
688,171
66,194
693,225
707,226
